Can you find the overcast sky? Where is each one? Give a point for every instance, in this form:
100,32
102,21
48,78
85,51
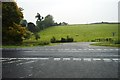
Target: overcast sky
71,11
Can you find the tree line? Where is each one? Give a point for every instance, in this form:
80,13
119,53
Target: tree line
15,28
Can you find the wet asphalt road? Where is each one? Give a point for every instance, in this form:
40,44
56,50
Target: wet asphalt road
67,60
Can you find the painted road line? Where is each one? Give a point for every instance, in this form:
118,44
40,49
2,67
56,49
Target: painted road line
74,49
90,49
56,59
66,59
79,49
107,60
87,59
111,49
77,59
116,59
84,49
66,49
96,59
44,58
105,49
99,49
25,63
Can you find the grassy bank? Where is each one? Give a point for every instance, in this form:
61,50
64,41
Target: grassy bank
80,33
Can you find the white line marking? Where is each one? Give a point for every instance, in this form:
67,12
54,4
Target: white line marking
115,59
43,58
29,62
73,49
107,60
111,49
56,59
25,63
96,59
13,61
90,49
104,49
87,59
77,59
98,49
66,59
79,49
84,49
67,49
30,75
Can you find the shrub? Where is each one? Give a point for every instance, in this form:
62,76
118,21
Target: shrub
37,36
53,40
63,40
69,39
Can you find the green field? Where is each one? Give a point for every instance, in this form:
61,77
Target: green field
80,33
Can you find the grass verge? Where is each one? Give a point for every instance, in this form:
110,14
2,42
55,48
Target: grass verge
106,44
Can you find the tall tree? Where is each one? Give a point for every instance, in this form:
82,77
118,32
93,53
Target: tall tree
12,32
48,21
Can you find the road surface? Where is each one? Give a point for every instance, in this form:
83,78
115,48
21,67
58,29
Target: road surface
66,60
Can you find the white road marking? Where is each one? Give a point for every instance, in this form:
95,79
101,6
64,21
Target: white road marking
98,49
111,49
87,59
90,49
26,63
56,59
66,59
43,58
12,62
116,59
104,49
107,60
67,49
30,75
96,59
84,49
73,49
79,49
29,62
77,59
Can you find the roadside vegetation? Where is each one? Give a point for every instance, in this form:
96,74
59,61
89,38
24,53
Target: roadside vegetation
17,32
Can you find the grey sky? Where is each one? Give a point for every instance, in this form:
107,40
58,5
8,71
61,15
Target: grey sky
71,11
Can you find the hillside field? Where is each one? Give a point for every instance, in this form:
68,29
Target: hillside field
81,32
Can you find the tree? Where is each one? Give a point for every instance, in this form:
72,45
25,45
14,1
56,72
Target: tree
10,14
31,27
39,17
12,32
23,23
48,21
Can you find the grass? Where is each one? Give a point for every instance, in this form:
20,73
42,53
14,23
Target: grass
106,44
80,33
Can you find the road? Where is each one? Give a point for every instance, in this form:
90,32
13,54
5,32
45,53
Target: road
66,60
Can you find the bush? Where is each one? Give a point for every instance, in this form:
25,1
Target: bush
53,40
63,40
37,36
116,42
69,39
